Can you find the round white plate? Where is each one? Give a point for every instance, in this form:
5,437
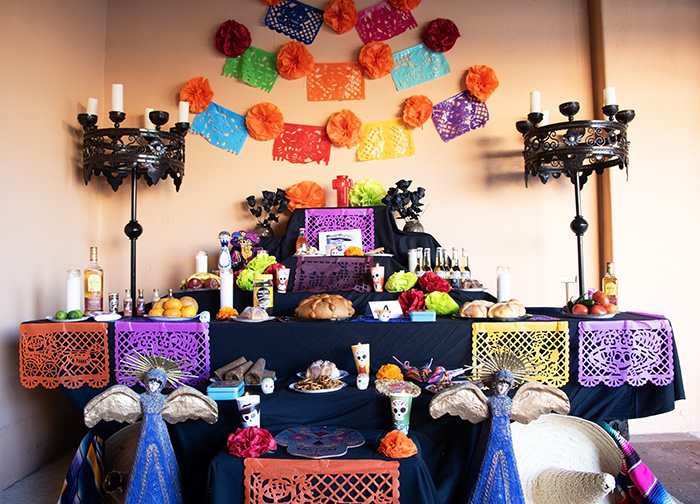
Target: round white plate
320,391
342,373
81,319
588,315
475,289
379,255
161,318
251,321
107,317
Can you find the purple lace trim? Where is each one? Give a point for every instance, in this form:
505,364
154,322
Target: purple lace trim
625,351
382,22
324,274
184,342
339,219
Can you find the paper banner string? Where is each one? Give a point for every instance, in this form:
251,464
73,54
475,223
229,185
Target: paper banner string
458,115
335,82
296,20
385,139
255,67
417,65
382,22
302,144
221,127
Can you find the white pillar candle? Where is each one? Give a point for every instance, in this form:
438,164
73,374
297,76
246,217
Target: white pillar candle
535,102
545,118
226,288
92,106
183,112
503,283
200,260
118,97
609,97
74,295
147,119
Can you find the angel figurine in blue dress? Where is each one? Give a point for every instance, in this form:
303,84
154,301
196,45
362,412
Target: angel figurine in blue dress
155,476
498,481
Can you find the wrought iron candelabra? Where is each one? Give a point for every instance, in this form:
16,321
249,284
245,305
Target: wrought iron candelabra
576,149
119,152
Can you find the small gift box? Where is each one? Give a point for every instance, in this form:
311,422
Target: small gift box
423,316
225,390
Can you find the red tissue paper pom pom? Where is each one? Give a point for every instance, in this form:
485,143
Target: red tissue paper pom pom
232,39
431,282
250,442
412,300
440,35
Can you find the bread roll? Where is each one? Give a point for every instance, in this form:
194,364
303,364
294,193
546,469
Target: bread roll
254,313
507,309
475,309
324,306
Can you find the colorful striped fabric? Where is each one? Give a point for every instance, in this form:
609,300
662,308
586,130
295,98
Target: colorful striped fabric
638,483
83,482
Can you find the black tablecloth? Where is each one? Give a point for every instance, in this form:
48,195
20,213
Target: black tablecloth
447,443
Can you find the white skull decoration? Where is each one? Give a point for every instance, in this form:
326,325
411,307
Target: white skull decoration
251,415
361,357
376,275
400,409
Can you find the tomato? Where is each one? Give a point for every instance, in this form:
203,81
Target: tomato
599,310
580,309
600,298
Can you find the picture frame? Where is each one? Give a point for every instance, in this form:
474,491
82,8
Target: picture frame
334,243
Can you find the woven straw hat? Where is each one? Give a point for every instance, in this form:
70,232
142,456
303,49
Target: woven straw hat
563,458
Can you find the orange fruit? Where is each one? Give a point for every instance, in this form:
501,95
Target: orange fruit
172,312
189,301
188,311
158,312
172,304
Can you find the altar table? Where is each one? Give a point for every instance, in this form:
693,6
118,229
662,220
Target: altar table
289,346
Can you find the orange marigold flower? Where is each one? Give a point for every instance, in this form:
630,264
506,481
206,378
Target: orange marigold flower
343,129
264,121
226,312
404,4
294,60
417,110
389,372
353,251
481,81
396,444
376,59
341,15
306,194
198,93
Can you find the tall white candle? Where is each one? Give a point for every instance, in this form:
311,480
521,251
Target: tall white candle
118,97
74,295
545,118
92,106
535,102
200,261
226,288
503,283
609,97
147,119
183,112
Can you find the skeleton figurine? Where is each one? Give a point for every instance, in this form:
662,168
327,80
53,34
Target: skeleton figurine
155,476
498,481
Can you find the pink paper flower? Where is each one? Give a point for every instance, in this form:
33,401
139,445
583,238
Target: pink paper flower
250,442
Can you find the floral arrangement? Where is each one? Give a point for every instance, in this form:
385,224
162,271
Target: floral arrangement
264,121
305,194
344,129
404,5
404,202
389,372
417,110
273,204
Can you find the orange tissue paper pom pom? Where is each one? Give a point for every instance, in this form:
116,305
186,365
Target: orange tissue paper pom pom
481,81
341,15
404,4
306,194
294,60
396,444
376,59
389,372
417,110
272,3
343,129
264,121
198,93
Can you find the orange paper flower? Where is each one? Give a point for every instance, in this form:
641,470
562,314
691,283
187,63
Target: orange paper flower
198,93
404,4
481,81
343,129
306,194
272,3
389,372
417,110
353,251
294,60
376,59
264,121
396,444
341,15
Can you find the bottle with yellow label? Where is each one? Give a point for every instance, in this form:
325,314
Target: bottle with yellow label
609,283
93,284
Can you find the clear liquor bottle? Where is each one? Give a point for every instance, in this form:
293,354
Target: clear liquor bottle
140,303
93,284
128,303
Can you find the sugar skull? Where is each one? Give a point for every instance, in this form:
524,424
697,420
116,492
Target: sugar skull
361,355
400,408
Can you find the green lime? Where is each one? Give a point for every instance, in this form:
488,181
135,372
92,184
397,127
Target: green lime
75,314
61,315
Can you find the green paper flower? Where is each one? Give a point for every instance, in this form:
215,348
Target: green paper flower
400,281
245,279
441,303
366,192
260,263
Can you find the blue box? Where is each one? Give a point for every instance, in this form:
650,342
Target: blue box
225,390
423,316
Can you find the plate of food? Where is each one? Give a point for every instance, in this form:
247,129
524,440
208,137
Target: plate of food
341,374
494,319
163,318
251,321
54,319
318,386
439,387
587,316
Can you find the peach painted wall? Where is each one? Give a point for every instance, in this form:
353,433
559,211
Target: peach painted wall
475,191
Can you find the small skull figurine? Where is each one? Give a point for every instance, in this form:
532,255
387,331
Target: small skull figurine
267,385
400,409
361,357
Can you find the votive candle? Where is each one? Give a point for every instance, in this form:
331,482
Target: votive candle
147,119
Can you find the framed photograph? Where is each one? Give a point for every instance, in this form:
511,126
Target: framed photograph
334,243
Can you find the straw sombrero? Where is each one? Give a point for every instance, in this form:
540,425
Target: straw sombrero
566,459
